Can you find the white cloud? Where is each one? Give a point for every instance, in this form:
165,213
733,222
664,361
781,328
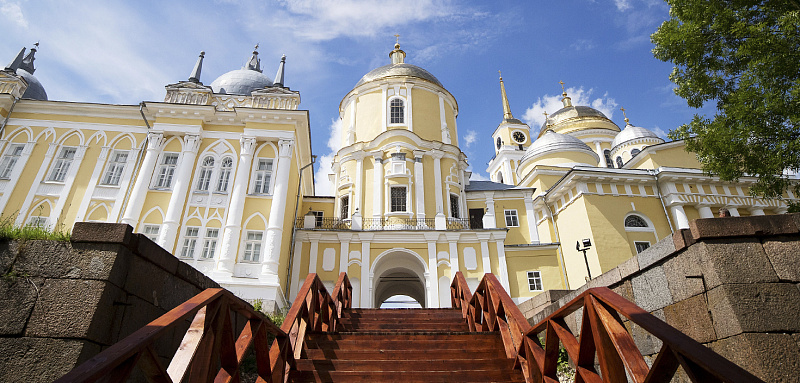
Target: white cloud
582,45
322,183
470,138
478,177
622,4
13,11
534,115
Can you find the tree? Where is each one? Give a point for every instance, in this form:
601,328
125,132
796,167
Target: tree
745,55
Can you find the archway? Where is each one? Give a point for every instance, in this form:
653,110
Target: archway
399,272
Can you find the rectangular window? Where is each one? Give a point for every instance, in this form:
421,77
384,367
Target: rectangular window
115,167
317,218
454,207
398,198
344,207
398,156
9,160
396,111
189,242
641,246
263,176
210,243
167,170
512,220
252,246
535,281
37,221
62,164
151,231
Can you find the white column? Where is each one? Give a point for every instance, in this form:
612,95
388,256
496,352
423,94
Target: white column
432,276
734,211
599,150
443,120
72,172
679,215
756,210
452,240
705,211
344,251
351,129
359,185
313,254
487,264
437,179
297,257
177,199
419,184
384,119
133,209
269,268
233,223
502,267
124,185
19,167
508,176
366,279
26,205
377,186
409,106
93,180
489,220
530,215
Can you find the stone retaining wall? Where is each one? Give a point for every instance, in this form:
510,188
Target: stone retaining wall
63,302
732,284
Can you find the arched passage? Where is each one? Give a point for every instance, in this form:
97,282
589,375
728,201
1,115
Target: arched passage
398,272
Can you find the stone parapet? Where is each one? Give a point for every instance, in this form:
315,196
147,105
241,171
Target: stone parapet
63,302
732,284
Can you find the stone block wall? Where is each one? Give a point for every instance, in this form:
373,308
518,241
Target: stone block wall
732,284
63,302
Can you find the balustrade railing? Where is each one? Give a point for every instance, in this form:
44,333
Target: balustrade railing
604,339
209,350
458,224
387,223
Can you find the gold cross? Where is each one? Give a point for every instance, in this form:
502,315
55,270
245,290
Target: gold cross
545,115
625,115
501,74
397,37
256,48
562,85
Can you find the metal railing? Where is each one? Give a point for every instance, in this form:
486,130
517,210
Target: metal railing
387,223
458,224
604,338
399,223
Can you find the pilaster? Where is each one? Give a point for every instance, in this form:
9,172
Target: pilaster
233,222
177,199
133,209
269,268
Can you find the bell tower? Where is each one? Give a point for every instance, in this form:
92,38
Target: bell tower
510,140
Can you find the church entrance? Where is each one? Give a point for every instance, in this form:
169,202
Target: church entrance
399,273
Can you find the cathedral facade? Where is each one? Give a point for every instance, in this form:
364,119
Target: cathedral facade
220,175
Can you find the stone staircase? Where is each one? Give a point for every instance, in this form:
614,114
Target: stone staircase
404,345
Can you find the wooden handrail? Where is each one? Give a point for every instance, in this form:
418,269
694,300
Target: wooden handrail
342,294
490,309
604,333
208,343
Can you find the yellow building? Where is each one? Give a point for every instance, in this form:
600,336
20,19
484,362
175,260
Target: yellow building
218,174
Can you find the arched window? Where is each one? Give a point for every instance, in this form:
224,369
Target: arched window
609,162
206,169
635,221
500,177
619,162
224,174
396,111
634,152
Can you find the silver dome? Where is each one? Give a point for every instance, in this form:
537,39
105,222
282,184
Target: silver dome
399,69
555,142
571,112
35,89
240,82
631,133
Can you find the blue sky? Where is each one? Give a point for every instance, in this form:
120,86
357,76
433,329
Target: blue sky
124,52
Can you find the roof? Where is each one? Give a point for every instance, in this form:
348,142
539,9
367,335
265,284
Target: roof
399,69
487,186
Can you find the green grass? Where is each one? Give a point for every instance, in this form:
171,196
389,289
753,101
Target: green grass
8,230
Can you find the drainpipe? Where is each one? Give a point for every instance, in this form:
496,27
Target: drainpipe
5,121
136,164
654,172
558,239
294,228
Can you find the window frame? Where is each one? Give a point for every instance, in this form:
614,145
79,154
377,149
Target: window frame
318,215
166,171
205,174
114,169
208,251
609,160
155,229
224,174
514,217
636,216
190,236
258,185
535,276
637,243
404,202
455,213
344,207
62,163
391,108
10,160
251,247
